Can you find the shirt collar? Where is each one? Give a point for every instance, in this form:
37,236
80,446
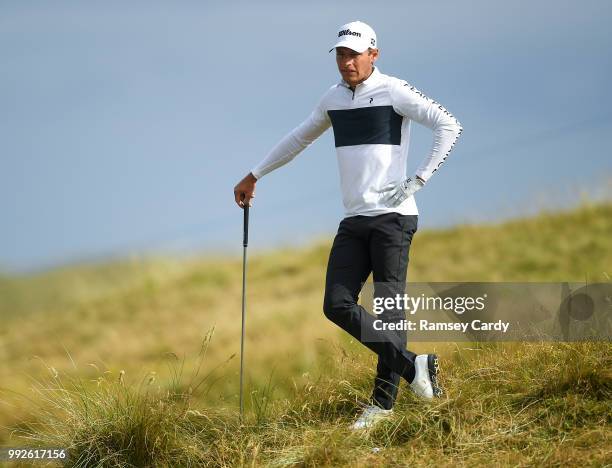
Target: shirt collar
374,76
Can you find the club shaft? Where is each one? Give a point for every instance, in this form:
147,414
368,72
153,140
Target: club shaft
244,255
245,241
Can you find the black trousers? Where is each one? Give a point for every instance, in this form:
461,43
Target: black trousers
377,244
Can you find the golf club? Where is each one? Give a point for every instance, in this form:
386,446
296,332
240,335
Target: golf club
245,241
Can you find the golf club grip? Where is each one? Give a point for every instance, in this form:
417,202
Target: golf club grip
245,239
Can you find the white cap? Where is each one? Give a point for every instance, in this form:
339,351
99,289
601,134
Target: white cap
357,36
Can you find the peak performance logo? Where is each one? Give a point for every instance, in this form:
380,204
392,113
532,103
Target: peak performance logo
348,32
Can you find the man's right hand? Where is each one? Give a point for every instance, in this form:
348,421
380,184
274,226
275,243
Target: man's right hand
245,190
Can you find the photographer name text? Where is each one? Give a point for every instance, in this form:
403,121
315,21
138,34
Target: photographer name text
426,325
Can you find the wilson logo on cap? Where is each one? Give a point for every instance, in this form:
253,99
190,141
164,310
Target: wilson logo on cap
348,32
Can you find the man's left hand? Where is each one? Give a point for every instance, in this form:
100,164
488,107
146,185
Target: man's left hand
395,194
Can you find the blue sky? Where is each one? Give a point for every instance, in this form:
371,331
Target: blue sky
125,125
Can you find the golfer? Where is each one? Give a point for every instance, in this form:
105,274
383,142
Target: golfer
371,114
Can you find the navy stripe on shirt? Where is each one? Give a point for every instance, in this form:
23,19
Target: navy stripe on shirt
376,125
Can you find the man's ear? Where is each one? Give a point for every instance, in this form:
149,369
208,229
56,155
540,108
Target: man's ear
374,54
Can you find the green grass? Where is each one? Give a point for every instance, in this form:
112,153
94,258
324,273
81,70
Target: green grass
530,404
109,360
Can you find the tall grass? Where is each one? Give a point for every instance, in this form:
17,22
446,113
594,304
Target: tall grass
529,404
140,400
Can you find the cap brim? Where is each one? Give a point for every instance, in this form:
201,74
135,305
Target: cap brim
350,43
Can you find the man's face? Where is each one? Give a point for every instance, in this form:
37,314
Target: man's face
353,66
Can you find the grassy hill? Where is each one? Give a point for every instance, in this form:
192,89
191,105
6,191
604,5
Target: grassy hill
142,351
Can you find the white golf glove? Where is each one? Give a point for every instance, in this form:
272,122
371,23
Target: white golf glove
395,193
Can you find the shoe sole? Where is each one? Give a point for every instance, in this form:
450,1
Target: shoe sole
434,368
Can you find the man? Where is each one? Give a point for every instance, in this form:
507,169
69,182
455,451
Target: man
371,115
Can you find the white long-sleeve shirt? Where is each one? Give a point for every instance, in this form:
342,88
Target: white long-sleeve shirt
372,134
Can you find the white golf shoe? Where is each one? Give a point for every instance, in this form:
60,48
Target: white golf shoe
425,382
370,416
